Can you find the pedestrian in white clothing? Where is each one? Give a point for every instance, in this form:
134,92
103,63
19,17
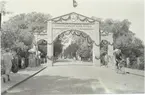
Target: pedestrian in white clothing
7,62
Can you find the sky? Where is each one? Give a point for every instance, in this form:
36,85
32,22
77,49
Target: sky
133,10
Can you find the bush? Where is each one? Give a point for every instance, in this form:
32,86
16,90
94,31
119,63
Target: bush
134,65
142,59
141,67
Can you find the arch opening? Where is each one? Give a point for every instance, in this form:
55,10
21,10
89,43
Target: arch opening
42,47
73,45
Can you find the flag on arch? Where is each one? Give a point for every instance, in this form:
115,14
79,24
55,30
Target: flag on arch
75,4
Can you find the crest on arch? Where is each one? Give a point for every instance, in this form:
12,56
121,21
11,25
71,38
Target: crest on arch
73,18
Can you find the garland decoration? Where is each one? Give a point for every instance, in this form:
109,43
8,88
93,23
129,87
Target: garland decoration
97,44
65,18
68,17
50,43
97,57
79,33
105,42
110,44
89,40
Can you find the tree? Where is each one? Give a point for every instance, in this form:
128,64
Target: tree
31,22
7,39
137,47
23,26
85,51
26,37
3,10
124,39
71,50
20,28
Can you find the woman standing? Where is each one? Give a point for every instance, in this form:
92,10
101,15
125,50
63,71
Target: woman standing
7,59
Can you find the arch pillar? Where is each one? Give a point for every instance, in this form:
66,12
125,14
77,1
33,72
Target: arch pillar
110,49
96,46
49,43
110,54
109,38
96,55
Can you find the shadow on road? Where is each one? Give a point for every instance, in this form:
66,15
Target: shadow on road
63,61
135,74
72,64
57,85
46,84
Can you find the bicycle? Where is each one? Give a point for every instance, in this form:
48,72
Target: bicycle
121,67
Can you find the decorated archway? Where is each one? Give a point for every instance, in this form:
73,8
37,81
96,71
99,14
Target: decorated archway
74,21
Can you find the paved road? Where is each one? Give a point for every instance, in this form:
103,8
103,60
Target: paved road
74,78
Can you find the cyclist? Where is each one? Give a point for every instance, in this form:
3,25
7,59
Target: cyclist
118,57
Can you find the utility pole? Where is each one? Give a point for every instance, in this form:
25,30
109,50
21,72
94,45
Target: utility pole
0,20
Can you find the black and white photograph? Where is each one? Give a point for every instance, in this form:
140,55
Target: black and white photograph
72,47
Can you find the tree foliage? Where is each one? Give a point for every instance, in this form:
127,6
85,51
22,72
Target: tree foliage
18,31
3,10
71,50
124,39
78,47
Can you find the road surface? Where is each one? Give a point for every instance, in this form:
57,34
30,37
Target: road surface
78,78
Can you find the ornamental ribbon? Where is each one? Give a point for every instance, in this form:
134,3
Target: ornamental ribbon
97,58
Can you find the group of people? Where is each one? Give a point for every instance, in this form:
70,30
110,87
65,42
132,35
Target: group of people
11,61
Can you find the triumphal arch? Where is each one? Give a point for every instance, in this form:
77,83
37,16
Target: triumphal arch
74,21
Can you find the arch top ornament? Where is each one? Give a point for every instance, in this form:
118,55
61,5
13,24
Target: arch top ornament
72,18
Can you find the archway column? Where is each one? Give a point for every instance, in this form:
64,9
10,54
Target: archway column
49,43
109,38
96,45
110,49
96,55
